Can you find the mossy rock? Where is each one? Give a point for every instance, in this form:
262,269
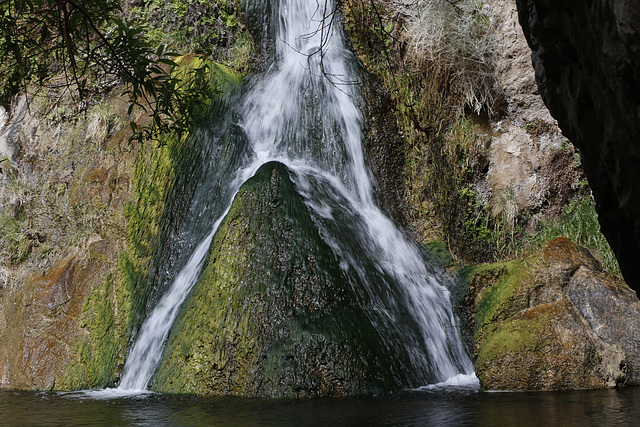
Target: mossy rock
439,253
164,176
540,322
273,313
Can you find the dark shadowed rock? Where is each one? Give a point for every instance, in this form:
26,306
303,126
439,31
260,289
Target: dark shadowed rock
273,314
587,61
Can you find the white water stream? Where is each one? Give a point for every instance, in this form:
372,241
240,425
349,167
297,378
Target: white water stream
311,123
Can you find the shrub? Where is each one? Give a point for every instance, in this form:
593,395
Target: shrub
452,35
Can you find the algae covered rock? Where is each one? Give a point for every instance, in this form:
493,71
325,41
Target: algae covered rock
553,321
273,313
92,212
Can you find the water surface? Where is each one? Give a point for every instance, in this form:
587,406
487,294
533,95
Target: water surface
429,408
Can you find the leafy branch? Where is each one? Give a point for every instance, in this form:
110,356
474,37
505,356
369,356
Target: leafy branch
86,41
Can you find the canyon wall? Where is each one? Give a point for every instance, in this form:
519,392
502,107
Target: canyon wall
587,61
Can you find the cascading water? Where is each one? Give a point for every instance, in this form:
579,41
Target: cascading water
304,113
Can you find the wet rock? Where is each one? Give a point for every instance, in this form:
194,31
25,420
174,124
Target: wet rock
553,321
94,210
273,313
58,286
586,58
438,253
44,321
384,149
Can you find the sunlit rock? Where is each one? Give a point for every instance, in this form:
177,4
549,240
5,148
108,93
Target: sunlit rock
553,321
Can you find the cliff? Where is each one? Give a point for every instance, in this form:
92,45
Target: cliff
587,62
463,151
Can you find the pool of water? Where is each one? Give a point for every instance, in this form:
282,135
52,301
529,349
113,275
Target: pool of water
428,408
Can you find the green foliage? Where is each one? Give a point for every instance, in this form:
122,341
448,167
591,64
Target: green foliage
241,53
448,42
371,33
499,237
41,37
579,223
200,26
83,45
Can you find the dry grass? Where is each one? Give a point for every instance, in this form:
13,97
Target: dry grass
4,276
454,36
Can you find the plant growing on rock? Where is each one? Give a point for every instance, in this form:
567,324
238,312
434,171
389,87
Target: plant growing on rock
579,223
451,35
436,63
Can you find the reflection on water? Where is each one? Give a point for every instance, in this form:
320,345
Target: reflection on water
430,408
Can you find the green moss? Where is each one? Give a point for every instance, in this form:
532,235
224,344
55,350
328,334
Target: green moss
114,311
496,300
439,253
162,175
491,294
273,313
100,354
519,336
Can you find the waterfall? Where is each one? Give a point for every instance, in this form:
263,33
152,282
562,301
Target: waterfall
304,113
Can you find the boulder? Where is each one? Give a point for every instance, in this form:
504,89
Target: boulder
553,321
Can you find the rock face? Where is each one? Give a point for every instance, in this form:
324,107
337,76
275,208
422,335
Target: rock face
273,313
8,146
526,151
587,62
553,321
63,193
44,329
84,219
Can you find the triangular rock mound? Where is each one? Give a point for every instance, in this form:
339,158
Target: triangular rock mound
273,313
